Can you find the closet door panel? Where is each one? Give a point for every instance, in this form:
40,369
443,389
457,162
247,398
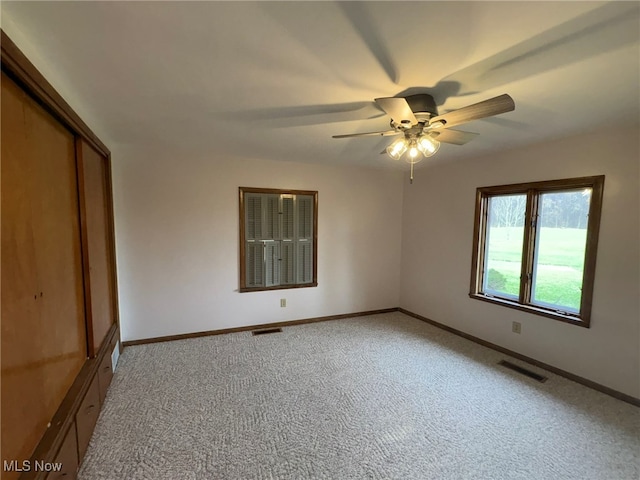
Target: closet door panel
43,332
96,198
56,225
20,312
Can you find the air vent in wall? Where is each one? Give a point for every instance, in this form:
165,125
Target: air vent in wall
523,371
267,331
115,355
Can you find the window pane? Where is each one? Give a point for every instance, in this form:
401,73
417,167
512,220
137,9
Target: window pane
503,245
560,249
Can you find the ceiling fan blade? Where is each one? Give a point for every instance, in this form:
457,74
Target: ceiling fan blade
456,137
488,108
368,134
398,109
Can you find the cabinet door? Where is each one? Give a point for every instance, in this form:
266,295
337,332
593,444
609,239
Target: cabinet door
43,326
67,456
87,416
96,215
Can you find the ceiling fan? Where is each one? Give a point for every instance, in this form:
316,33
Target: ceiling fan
416,118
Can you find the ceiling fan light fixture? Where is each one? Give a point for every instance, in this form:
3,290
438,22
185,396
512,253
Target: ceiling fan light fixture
428,146
416,119
397,148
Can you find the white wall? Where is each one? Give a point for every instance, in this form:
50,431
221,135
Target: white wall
379,247
177,242
438,219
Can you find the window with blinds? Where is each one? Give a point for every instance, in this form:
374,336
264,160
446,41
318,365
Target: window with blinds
278,239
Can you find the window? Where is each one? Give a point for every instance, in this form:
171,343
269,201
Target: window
535,246
278,239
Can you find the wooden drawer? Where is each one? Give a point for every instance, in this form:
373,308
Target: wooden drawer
105,372
67,456
87,417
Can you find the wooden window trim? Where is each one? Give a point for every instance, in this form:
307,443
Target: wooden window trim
242,253
532,190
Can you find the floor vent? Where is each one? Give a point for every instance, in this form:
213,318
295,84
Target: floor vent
267,331
523,371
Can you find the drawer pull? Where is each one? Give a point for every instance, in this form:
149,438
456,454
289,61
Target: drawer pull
89,409
106,367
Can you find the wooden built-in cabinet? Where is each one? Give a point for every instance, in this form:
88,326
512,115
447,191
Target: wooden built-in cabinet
59,306
67,456
87,416
95,208
41,270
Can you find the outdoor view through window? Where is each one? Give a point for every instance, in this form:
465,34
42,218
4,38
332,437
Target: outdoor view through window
535,246
558,265
503,251
560,242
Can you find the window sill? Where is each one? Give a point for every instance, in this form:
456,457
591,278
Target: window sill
277,287
572,319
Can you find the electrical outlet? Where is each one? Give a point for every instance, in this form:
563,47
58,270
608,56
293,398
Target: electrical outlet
283,302
516,327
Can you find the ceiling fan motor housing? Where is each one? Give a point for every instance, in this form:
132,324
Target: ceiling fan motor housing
423,107
422,103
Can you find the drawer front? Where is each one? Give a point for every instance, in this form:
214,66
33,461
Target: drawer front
67,457
87,417
105,373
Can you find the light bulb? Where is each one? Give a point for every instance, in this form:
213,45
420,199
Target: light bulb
397,148
428,146
413,152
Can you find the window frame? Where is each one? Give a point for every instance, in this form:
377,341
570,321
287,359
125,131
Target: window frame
243,288
533,190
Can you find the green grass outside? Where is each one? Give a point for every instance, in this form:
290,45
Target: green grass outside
560,263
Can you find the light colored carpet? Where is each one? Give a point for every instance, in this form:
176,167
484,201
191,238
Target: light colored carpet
379,397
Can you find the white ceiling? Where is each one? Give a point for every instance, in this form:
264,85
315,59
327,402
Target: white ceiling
275,80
